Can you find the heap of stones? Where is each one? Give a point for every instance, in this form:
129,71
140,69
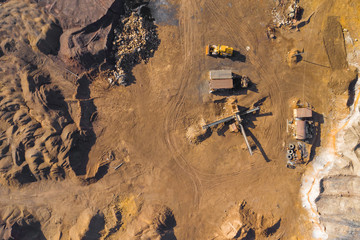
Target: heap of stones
135,40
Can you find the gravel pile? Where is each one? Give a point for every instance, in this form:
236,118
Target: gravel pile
135,40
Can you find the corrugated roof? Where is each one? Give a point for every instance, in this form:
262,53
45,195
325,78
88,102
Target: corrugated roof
220,74
221,84
302,113
300,129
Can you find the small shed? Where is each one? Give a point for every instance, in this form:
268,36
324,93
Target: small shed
302,113
221,79
300,129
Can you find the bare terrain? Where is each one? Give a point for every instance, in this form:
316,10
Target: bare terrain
97,99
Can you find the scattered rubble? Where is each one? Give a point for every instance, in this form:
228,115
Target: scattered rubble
286,14
135,40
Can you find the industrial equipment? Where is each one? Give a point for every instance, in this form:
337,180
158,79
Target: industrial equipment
219,50
238,119
304,124
224,79
296,154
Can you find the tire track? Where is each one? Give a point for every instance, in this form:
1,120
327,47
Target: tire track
235,32
187,31
265,74
174,110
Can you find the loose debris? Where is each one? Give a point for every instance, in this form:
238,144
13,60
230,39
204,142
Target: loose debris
135,40
296,154
287,14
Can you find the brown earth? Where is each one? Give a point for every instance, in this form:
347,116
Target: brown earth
66,130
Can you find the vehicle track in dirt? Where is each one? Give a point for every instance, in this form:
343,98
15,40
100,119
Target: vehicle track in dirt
187,31
235,31
197,176
265,75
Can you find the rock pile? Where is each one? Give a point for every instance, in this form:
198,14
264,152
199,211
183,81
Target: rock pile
135,40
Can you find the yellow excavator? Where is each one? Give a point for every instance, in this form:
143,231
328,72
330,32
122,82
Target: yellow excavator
219,50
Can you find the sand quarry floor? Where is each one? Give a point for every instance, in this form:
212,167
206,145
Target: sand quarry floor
144,125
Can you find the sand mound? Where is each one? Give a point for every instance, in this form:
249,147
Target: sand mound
88,226
338,201
41,134
107,30
148,222
164,220
19,224
41,131
23,20
293,57
196,134
85,33
241,222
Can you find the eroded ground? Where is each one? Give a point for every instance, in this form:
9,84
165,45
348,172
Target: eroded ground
66,129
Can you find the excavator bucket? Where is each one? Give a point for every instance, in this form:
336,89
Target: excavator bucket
207,50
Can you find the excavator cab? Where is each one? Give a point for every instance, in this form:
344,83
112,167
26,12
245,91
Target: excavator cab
219,50
226,51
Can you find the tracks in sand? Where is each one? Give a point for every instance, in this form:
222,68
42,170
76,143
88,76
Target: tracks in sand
239,33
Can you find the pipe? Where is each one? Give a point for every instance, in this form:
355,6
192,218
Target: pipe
218,122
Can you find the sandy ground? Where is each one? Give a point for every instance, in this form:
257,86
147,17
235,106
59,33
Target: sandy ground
144,126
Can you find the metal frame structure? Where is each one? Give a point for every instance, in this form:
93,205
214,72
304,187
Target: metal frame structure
238,119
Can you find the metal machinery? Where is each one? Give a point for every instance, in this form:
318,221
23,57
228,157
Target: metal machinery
219,50
303,131
244,81
224,79
296,154
237,116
